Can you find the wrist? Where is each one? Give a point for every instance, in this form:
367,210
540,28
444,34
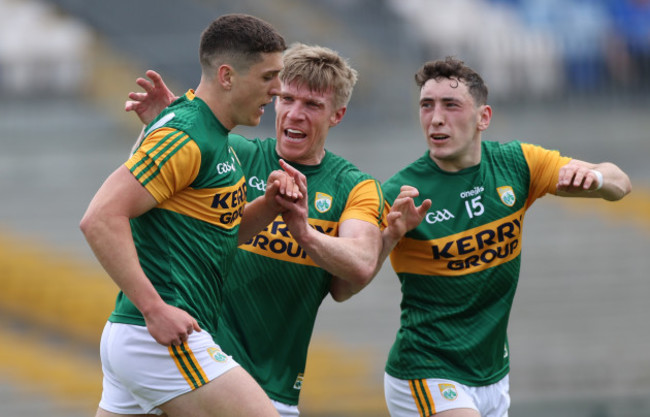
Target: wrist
303,235
599,179
392,236
151,305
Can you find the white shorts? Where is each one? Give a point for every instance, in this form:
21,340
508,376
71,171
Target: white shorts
426,397
286,410
140,374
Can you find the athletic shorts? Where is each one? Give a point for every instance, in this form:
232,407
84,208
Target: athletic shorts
286,410
140,374
426,397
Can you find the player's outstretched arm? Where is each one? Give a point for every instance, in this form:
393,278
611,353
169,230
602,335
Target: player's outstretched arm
584,179
404,216
350,256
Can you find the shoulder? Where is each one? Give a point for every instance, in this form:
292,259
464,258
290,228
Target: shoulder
410,174
343,171
252,151
494,147
191,115
504,153
240,143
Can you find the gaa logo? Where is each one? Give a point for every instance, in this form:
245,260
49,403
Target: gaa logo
257,183
225,167
438,216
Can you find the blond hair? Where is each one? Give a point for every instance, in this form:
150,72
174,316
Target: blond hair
320,69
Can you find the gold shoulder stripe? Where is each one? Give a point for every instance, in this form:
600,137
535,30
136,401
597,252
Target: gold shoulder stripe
154,155
173,145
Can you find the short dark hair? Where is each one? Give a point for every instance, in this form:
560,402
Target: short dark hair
453,68
239,40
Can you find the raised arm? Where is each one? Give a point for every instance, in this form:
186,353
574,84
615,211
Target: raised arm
350,257
108,232
584,179
404,216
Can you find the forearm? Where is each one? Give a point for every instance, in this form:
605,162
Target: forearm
257,215
112,243
584,179
352,259
389,241
344,287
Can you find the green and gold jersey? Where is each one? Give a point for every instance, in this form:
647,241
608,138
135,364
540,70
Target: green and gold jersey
275,289
186,243
459,268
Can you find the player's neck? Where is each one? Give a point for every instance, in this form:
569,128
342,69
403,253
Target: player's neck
217,101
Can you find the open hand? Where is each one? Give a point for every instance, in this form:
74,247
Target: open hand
155,98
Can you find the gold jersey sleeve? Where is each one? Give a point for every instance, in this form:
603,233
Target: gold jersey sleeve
544,168
366,202
166,162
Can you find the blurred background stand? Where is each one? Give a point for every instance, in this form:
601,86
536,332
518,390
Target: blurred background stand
569,75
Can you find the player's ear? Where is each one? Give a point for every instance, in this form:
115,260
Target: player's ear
225,75
337,116
484,117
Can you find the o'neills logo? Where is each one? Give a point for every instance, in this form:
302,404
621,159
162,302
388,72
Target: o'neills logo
471,193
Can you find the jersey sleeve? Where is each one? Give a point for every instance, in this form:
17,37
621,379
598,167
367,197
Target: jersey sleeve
365,202
166,162
544,168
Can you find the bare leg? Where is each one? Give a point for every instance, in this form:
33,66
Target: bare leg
103,413
234,393
459,412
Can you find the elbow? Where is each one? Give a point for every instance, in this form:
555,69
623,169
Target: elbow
343,291
89,226
362,275
85,225
339,297
343,287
